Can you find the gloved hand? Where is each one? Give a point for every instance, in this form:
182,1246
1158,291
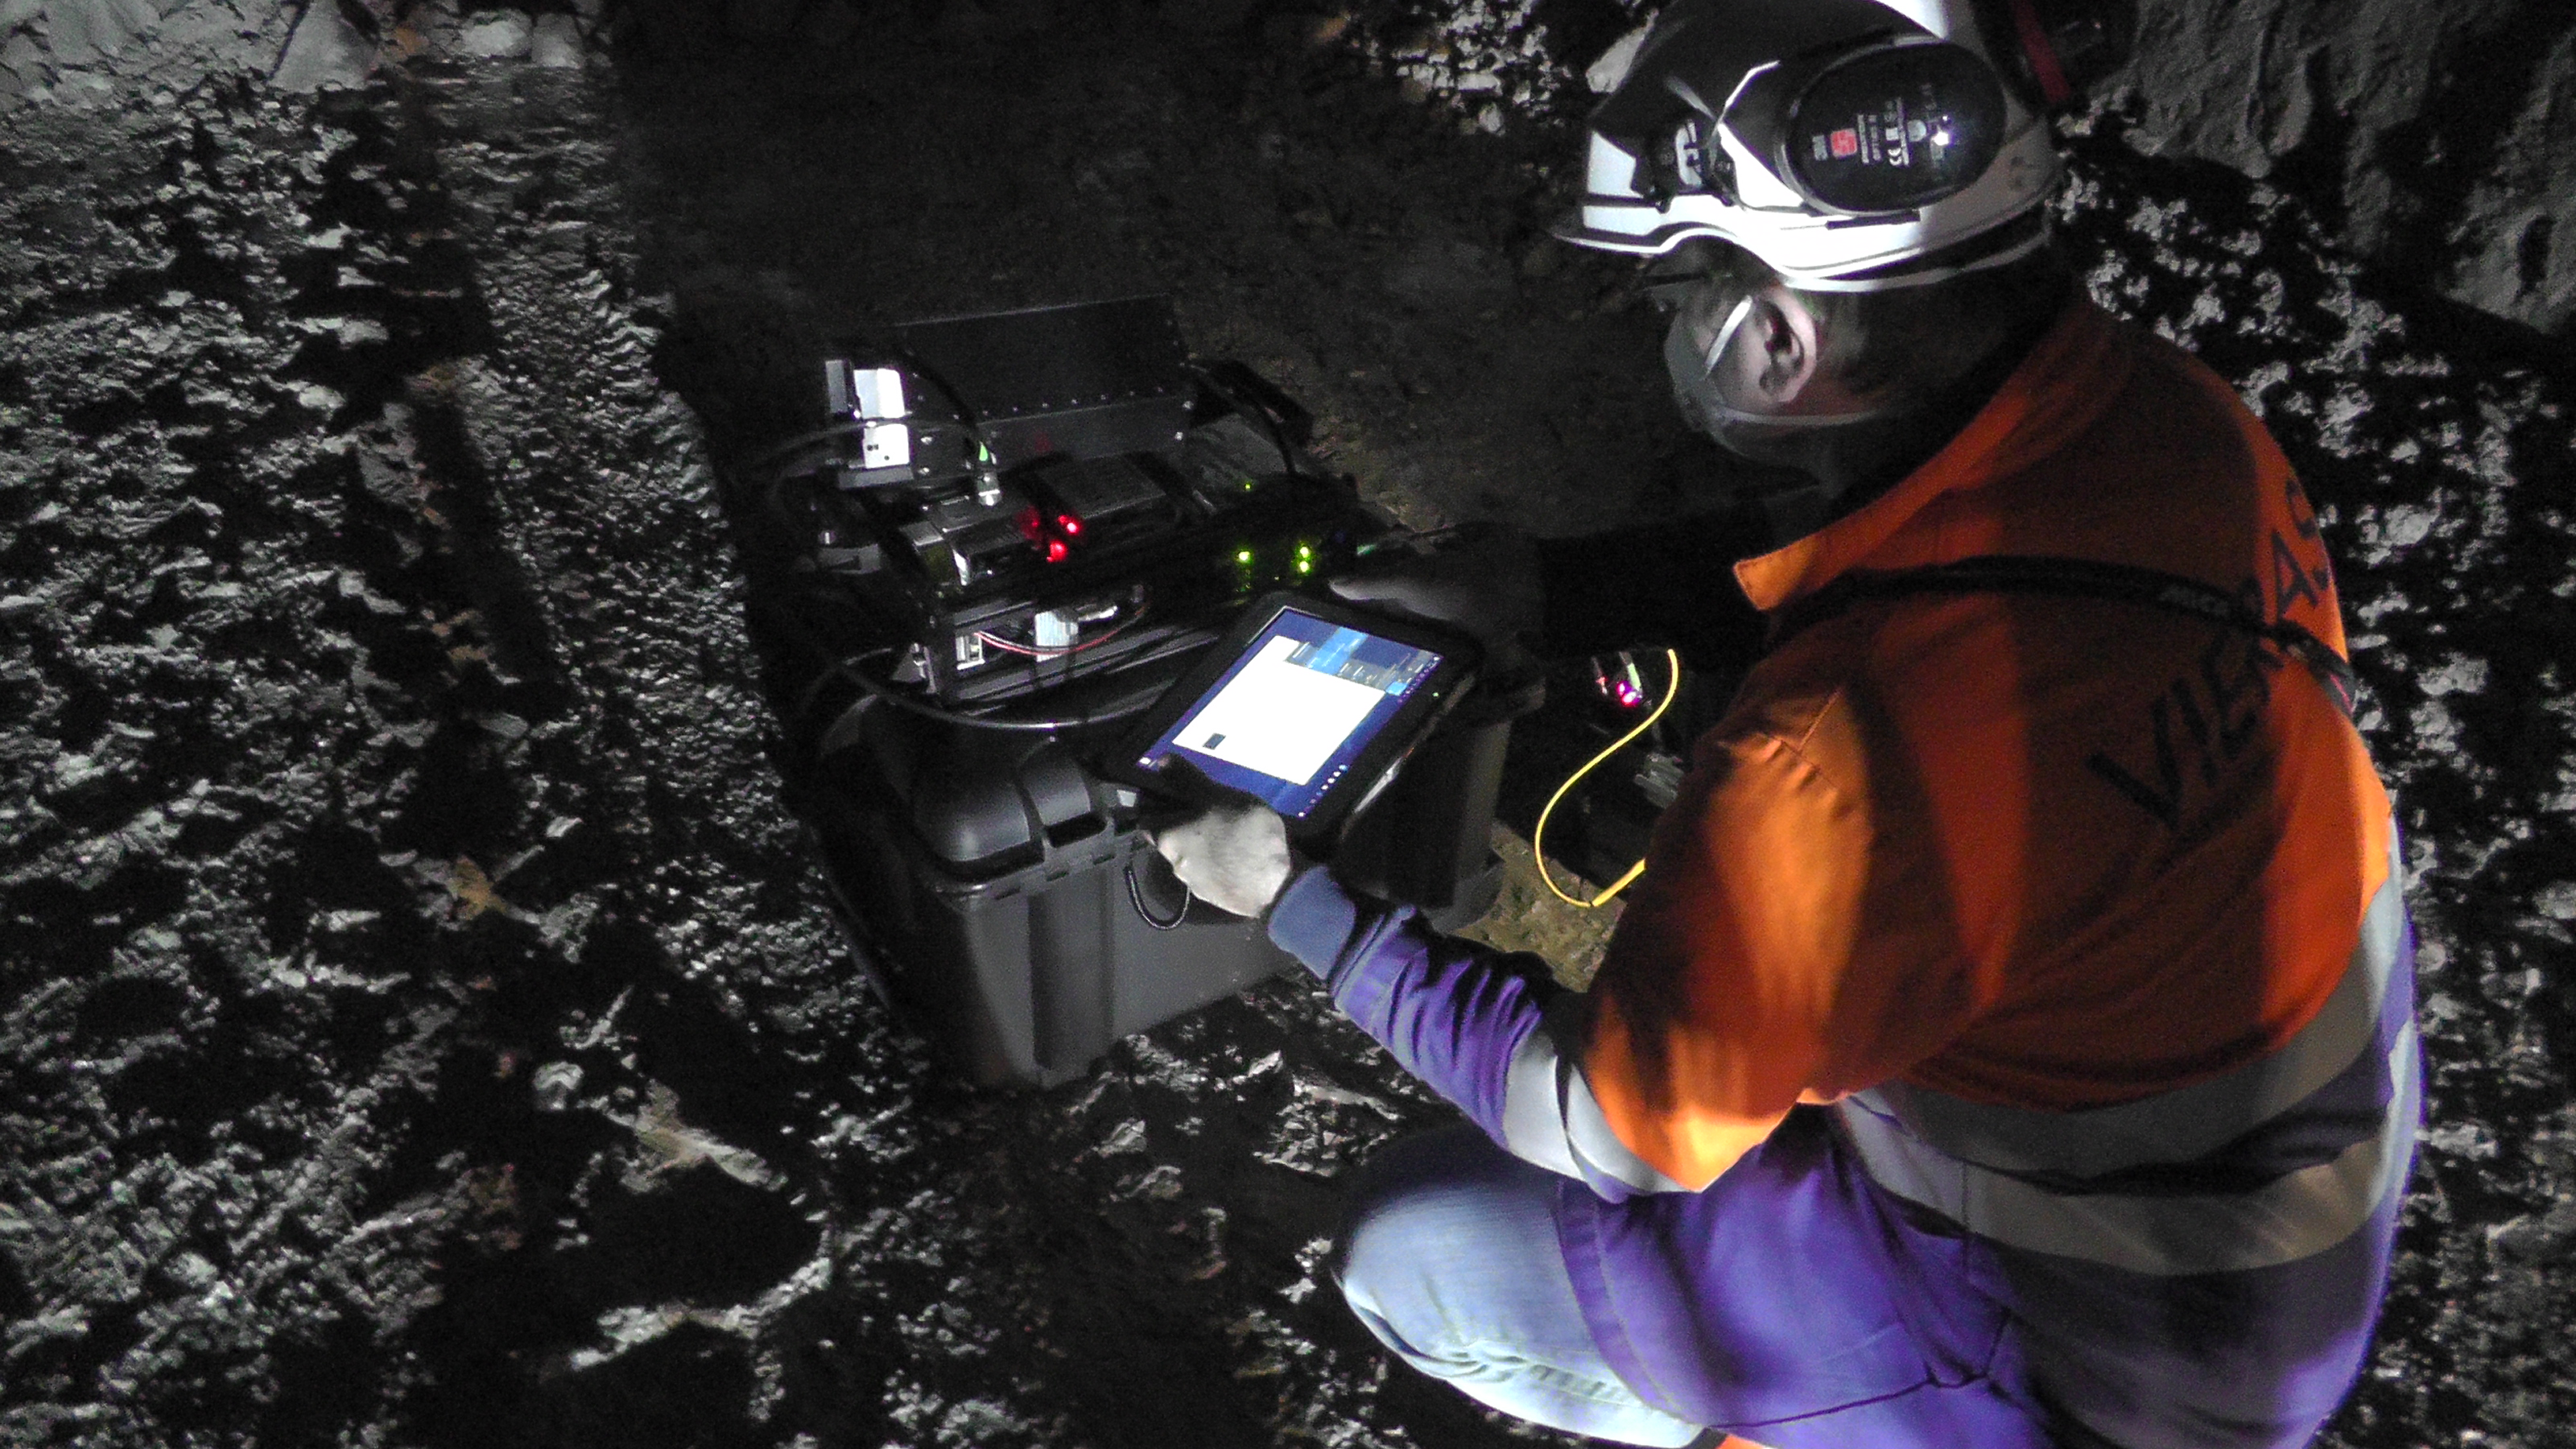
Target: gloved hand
1480,578
1233,855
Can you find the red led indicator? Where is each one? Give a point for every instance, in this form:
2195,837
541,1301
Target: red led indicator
1846,142
1056,550
1071,525
1628,695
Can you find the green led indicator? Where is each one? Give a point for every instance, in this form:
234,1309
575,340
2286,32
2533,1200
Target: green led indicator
1243,555
1305,566
1305,550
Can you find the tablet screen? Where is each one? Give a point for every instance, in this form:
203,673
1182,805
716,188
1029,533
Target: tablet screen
1295,709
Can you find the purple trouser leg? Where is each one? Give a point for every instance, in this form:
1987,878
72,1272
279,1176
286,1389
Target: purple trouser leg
1837,1316
1796,1304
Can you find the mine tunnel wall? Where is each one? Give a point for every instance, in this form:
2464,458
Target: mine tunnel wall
2439,136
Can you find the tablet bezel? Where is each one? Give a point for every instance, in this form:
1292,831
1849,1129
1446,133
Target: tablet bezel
1376,762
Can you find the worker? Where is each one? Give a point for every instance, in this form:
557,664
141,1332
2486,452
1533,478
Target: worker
2009,1041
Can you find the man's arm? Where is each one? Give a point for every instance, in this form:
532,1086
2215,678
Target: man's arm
1670,582
1486,1029
1713,1011
1666,583
1732,989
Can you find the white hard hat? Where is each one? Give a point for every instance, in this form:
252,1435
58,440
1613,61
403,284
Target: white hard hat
1851,145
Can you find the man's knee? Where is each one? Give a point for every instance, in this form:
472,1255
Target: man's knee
1388,1223
1416,1189
1423,1210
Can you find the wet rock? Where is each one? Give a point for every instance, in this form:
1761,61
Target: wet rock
2439,133
494,35
555,41
1604,74
325,52
667,1144
2537,1237
692,1383
22,67
82,32
555,1084
104,53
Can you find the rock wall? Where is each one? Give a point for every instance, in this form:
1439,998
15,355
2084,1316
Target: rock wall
98,53
2440,134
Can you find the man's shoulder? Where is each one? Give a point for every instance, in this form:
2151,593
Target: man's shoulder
2175,414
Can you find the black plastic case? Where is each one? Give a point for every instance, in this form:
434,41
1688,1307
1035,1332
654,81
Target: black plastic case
985,877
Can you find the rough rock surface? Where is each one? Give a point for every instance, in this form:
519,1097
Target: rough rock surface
418,1022
2438,139
102,54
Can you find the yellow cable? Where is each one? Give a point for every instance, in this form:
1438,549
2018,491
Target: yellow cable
1538,836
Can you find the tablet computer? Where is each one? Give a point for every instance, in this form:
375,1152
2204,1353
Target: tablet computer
1308,704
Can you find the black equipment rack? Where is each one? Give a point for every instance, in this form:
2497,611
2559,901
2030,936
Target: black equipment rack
1014,531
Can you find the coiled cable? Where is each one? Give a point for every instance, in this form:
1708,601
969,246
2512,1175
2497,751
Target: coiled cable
1538,835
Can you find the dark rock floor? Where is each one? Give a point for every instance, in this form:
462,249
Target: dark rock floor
419,1023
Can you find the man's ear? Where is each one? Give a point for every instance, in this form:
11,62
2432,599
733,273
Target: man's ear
1785,333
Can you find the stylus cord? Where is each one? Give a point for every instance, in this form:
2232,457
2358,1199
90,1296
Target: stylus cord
1136,898
1538,835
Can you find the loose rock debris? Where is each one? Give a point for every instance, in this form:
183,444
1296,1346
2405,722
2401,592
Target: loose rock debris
421,1021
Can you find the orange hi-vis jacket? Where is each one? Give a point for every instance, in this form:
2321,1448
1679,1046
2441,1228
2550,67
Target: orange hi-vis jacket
2038,852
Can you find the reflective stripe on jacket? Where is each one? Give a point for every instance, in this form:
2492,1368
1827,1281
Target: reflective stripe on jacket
2272,1162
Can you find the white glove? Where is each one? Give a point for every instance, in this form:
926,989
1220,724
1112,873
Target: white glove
1233,856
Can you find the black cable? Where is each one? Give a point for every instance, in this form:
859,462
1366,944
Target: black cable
769,500
907,703
807,440
824,747
807,697
920,372
847,668
788,449
1270,423
1136,898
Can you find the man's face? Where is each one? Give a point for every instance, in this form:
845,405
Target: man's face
1743,352
1714,367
